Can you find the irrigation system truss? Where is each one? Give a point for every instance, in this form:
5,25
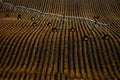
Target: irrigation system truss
11,7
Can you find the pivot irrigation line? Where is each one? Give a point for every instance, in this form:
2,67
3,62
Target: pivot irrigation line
38,12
